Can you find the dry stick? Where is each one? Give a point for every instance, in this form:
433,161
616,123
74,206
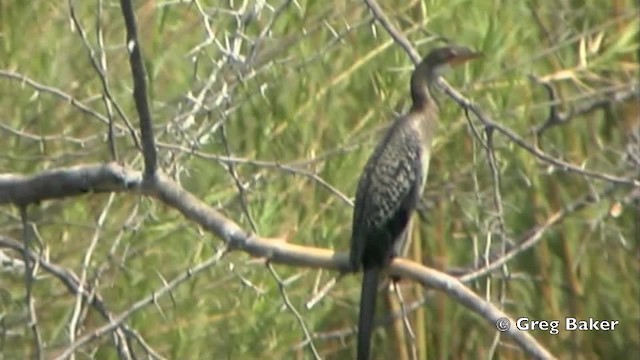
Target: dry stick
72,283
55,92
140,93
100,69
497,203
108,103
295,312
151,299
29,275
528,240
406,45
272,270
535,235
467,104
241,196
488,123
114,178
41,139
396,35
119,340
556,117
322,292
405,321
292,168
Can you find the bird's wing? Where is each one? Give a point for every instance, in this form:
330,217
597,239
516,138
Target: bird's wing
407,194
387,193
358,236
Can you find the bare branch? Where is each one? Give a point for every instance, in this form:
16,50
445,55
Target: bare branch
113,178
396,35
454,288
72,283
56,92
101,69
292,168
486,121
65,182
77,309
140,93
148,300
556,117
29,275
296,313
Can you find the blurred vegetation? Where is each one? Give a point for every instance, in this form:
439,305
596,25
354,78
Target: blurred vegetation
311,84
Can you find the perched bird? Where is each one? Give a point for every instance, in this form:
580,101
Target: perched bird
392,183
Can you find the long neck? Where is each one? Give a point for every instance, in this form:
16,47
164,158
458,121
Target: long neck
421,80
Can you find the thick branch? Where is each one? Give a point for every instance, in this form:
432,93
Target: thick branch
112,177
455,289
65,182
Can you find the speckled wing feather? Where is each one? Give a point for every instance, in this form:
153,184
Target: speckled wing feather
388,191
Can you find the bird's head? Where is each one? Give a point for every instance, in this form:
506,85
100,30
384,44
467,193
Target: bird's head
441,59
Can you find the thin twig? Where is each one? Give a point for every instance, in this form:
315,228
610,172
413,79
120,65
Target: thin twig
142,303
289,305
55,92
556,117
100,68
71,281
29,276
396,35
112,177
534,235
119,341
292,168
465,103
487,122
108,102
405,321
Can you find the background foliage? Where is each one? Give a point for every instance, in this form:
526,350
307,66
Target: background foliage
301,90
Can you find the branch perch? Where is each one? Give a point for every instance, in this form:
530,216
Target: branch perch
112,177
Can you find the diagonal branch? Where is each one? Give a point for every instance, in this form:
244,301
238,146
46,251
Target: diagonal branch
395,34
71,281
511,135
456,290
556,117
114,178
465,103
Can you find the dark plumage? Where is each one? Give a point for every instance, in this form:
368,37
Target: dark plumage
392,183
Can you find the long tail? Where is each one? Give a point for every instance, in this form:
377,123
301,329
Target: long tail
367,311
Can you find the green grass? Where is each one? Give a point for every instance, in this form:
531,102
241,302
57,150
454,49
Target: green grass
314,96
